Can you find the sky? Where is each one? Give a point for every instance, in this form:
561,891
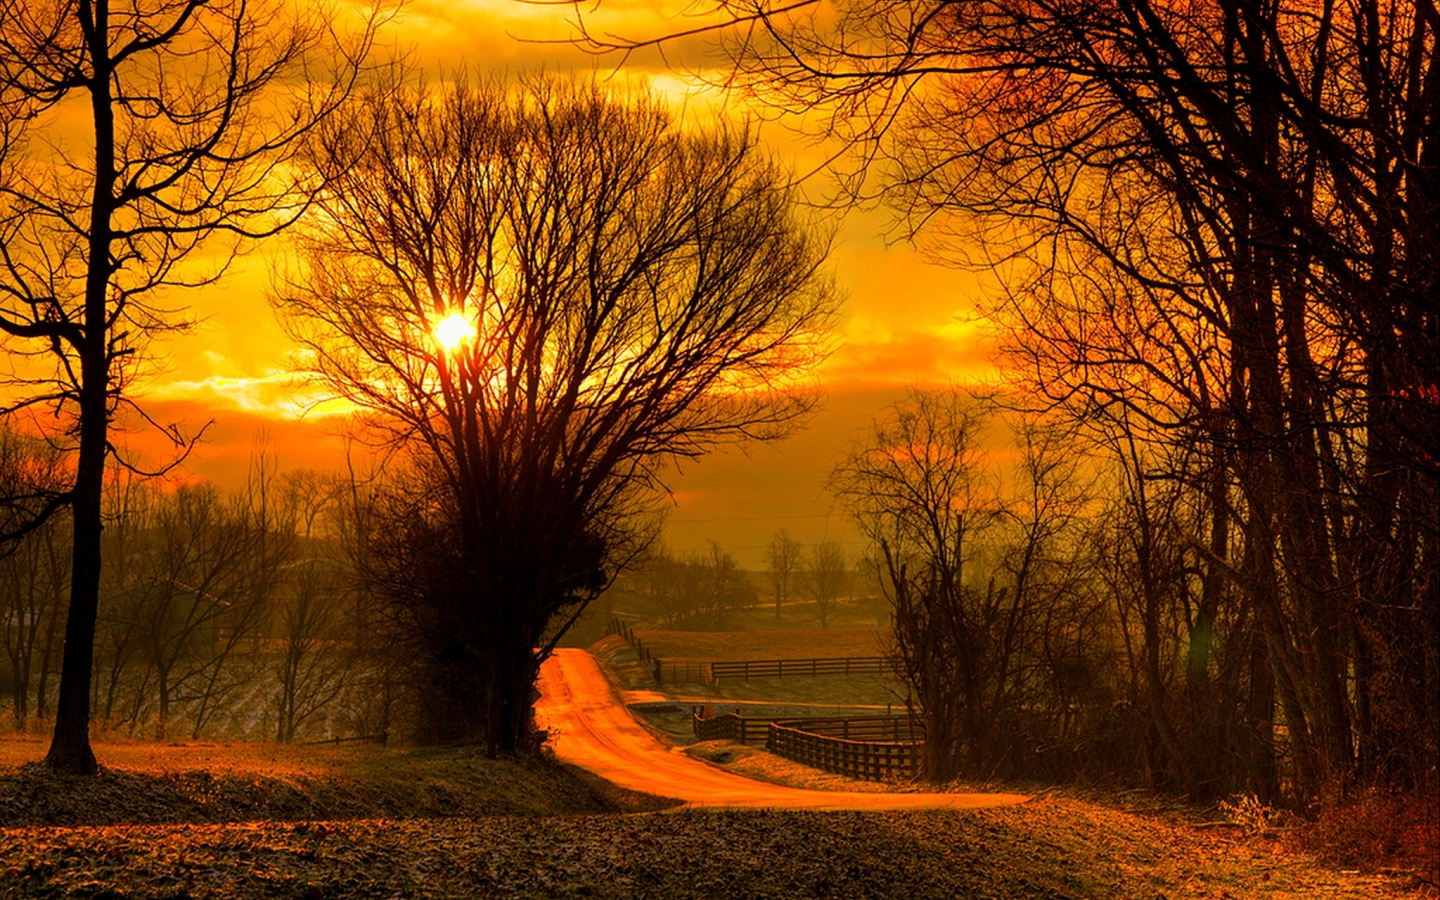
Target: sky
906,322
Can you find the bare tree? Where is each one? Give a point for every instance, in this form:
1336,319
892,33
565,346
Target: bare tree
317,652
826,577
1216,216
544,294
193,110
265,541
784,557
998,627
206,586
920,490
314,664
33,573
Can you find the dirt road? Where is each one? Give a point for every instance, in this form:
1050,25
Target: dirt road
591,728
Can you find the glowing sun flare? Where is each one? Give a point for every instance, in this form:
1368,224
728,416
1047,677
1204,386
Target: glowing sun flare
453,330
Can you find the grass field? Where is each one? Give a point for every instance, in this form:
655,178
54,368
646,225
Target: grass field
212,782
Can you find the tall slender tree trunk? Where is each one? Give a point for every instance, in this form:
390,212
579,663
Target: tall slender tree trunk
70,747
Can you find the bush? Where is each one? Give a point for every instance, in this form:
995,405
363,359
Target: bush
1377,830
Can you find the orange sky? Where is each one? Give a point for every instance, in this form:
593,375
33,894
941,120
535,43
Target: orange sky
905,322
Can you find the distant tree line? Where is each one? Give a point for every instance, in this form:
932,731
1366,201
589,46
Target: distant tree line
709,591
220,615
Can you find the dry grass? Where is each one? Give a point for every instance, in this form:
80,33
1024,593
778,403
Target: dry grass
268,782
261,759
1053,848
1376,831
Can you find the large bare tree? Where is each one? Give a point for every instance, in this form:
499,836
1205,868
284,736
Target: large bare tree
547,294
1213,222
137,133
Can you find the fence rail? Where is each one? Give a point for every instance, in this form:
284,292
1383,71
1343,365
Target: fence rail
698,672
869,760
790,668
682,672
728,727
755,729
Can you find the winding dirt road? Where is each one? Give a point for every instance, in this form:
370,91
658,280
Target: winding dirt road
591,728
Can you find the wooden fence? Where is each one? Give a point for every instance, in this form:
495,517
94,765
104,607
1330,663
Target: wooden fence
697,672
756,729
790,668
682,672
730,727
870,760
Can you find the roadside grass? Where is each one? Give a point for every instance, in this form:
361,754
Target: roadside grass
240,782
1050,849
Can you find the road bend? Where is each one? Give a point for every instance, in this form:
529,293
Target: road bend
590,727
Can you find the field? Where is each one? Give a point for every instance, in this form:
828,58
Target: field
208,782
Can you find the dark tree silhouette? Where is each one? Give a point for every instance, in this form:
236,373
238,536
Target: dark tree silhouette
191,112
1214,221
621,291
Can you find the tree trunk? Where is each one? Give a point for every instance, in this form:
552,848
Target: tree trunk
70,747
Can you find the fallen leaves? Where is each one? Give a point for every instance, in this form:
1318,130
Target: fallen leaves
415,825
1054,849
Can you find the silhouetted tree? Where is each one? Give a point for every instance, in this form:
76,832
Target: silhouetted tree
1219,217
626,292
191,111
919,488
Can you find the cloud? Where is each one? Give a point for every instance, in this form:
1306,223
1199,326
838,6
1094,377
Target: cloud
959,353
231,435
277,394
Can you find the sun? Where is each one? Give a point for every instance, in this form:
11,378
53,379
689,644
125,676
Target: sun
453,330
